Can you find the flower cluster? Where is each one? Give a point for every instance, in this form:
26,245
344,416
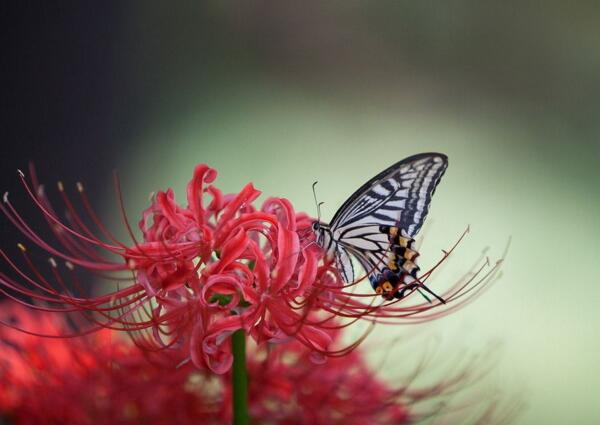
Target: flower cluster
97,378
204,270
103,378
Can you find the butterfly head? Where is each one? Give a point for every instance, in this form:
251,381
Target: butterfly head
316,226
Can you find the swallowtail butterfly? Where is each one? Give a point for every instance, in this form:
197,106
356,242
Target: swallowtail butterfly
378,223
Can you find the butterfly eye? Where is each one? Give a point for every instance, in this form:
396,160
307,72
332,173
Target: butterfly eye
315,226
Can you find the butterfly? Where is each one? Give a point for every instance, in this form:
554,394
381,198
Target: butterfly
378,223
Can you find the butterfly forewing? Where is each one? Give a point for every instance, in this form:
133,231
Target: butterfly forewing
398,196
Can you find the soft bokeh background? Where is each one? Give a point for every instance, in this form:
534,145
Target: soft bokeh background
283,95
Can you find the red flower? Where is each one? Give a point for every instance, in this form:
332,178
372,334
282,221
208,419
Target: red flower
102,378
205,270
99,378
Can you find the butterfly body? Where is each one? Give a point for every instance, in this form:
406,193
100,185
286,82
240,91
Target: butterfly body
377,225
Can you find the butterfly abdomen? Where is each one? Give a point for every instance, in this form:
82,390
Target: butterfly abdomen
401,268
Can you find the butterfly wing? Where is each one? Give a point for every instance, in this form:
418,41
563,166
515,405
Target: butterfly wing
397,197
365,243
343,263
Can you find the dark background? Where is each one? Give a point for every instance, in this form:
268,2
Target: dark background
287,93
60,97
79,77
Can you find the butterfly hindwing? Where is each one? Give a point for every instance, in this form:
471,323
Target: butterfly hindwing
366,243
343,263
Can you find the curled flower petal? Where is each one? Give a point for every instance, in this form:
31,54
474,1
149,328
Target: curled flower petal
288,249
221,285
232,250
246,196
284,211
308,271
195,191
216,345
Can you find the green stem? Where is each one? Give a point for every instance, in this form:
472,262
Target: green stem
239,379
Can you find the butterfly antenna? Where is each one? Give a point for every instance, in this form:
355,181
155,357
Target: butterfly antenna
316,201
319,210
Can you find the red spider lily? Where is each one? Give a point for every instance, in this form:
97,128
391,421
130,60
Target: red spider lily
99,378
205,270
102,378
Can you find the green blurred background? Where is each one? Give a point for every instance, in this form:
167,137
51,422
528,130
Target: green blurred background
284,94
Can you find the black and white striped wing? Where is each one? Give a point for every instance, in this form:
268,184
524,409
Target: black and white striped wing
398,196
343,263
368,245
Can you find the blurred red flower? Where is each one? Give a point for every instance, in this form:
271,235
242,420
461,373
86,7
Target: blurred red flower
98,379
103,378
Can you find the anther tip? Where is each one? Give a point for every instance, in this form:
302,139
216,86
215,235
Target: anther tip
5,197
69,265
20,173
52,262
79,187
60,186
21,247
